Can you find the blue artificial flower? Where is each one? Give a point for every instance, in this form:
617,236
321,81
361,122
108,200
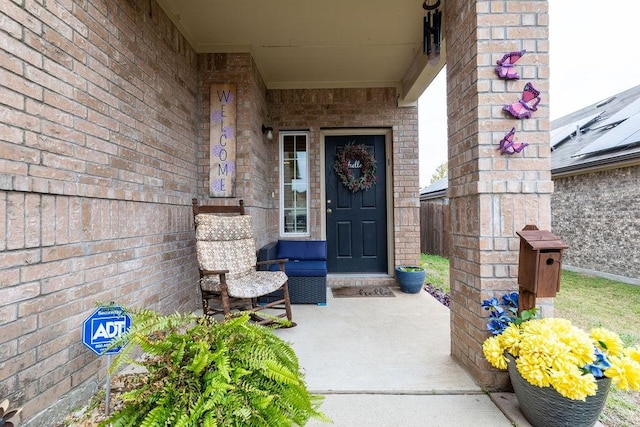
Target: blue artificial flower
502,312
510,300
500,316
496,326
599,365
595,371
490,304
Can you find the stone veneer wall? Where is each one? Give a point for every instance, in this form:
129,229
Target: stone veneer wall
315,109
596,215
97,169
491,195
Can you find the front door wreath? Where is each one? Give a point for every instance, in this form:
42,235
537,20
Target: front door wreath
356,157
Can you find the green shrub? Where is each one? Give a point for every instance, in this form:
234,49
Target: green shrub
203,373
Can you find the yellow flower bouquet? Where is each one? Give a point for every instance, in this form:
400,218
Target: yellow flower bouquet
553,352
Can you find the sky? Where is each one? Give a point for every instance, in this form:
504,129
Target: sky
592,55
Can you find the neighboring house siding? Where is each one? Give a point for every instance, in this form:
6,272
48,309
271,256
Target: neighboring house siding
97,168
597,216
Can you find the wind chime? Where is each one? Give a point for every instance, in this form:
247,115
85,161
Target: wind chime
432,26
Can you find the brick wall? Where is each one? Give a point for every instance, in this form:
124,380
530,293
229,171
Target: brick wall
253,180
596,215
316,109
97,148
313,109
492,195
104,140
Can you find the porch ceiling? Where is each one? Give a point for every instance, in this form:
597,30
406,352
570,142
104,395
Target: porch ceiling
316,44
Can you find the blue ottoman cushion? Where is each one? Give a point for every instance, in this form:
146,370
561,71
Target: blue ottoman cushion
306,268
302,249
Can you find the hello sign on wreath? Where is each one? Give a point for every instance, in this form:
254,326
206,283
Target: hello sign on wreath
353,157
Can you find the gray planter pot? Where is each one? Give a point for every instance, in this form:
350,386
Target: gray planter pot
545,407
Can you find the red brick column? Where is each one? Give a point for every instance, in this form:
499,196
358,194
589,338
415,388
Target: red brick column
492,195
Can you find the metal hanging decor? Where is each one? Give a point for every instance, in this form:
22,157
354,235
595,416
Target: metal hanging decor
432,27
509,146
505,65
524,106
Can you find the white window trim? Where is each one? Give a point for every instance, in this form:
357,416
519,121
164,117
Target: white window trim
281,210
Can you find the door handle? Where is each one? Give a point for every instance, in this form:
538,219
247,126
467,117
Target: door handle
329,210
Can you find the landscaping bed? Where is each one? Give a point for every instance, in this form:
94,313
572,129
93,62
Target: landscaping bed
589,302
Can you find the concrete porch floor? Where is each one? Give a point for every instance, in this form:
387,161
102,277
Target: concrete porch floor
386,362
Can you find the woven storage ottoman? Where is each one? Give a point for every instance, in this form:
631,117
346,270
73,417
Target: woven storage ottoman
302,289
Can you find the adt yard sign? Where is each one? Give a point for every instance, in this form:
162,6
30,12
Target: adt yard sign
103,326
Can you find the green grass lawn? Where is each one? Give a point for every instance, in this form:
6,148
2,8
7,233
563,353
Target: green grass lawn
437,271
592,302
589,302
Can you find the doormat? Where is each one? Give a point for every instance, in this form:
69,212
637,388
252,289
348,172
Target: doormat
362,291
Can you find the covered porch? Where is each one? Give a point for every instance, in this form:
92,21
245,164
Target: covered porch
385,361
107,129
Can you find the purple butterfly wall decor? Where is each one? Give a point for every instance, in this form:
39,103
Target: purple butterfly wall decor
529,102
508,146
505,67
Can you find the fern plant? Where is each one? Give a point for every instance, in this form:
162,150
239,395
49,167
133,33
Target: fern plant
203,373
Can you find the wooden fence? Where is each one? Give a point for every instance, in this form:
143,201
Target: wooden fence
434,227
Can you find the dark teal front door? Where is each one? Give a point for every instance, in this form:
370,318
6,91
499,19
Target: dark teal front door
356,221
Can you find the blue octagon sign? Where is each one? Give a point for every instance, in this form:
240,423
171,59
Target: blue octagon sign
103,326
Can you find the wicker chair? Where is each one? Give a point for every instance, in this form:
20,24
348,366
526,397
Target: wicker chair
229,279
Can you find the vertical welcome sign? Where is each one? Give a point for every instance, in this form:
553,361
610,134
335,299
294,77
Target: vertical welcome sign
222,141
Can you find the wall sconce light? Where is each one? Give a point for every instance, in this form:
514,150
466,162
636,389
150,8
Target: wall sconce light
268,131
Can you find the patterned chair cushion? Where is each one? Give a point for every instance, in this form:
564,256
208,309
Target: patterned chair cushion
237,256
252,285
227,243
212,227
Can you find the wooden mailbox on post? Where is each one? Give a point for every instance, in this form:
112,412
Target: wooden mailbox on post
539,265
